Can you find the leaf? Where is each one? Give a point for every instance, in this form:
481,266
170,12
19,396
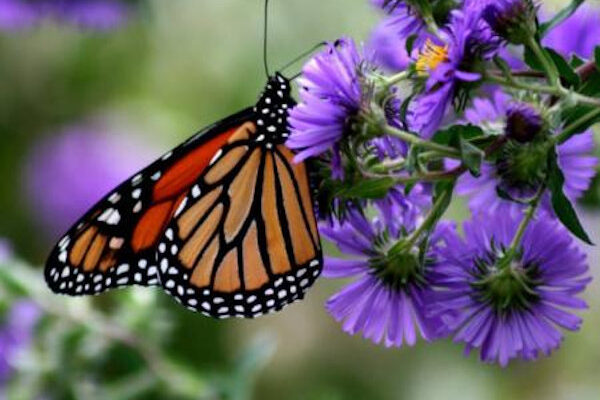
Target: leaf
452,135
564,69
531,60
562,15
368,189
503,65
410,43
471,156
443,188
576,61
562,205
597,57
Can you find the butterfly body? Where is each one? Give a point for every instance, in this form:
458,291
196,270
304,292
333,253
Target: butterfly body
224,222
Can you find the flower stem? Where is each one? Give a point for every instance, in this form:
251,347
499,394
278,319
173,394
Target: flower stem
555,91
397,78
573,129
432,218
522,85
415,140
529,214
547,64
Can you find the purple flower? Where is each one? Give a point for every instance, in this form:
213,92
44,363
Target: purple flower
66,173
331,96
466,42
574,158
403,19
389,297
93,14
578,34
509,307
16,334
388,48
18,14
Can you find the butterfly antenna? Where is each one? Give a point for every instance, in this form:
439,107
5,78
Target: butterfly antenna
303,55
265,38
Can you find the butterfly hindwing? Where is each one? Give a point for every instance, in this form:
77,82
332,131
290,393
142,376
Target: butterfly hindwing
244,244
114,244
244,240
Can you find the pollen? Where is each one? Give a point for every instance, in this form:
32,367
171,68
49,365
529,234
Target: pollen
431,56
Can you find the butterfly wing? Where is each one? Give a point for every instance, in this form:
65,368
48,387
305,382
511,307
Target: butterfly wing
244,241
114,244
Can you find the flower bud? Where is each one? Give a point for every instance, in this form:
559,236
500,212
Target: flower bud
524,123
513,20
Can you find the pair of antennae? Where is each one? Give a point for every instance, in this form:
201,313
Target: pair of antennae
266,46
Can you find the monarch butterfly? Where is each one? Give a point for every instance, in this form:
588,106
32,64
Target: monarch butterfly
224,223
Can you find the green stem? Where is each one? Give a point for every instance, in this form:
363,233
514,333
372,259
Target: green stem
529,214
394,79
415,140
547,65
573,129
555,91
523,86
431,219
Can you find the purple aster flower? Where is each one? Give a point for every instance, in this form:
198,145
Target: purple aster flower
466,42
388,48
66,173
389,296
93,14
18,14
403,19
578,34
16,334
331,96
510,307
574,158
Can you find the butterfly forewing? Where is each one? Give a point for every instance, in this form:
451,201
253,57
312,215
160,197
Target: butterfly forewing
114,244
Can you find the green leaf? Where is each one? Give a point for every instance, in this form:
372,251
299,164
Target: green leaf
576,61
443,188
410,43
471,156
591,87
562,15
503,65
368,189
562,205
597,57
453,135
564,69
531,60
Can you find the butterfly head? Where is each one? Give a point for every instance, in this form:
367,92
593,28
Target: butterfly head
273,107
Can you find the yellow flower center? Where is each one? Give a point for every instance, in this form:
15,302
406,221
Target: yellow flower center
431,56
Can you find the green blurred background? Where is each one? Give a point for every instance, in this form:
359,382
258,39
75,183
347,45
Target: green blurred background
175,67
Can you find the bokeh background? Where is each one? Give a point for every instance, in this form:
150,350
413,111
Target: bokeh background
82,109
